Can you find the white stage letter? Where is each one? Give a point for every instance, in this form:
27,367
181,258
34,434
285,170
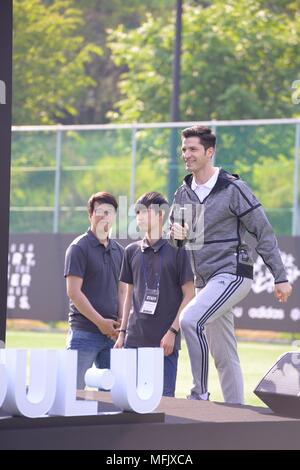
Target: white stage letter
138,378
65,403
3,378
40,395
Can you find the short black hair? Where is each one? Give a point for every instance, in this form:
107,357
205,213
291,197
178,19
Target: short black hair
102,198
155,199
206,136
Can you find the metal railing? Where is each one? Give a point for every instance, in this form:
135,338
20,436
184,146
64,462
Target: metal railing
142,148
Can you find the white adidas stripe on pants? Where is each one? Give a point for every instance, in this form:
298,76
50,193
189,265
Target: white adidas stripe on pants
209,316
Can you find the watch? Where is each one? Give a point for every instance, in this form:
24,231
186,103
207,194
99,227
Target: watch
173,330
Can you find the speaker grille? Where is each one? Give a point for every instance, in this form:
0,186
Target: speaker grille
283,377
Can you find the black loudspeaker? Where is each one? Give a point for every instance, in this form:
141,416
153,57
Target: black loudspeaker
280,387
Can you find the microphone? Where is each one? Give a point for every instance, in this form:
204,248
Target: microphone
181,216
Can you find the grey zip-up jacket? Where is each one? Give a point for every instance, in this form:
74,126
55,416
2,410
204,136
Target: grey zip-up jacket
218,226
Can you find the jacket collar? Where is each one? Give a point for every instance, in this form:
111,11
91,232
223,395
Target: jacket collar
208,184
224,179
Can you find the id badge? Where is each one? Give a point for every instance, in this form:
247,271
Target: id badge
150,301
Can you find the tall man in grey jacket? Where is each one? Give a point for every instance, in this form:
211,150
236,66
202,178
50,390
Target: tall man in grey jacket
222,209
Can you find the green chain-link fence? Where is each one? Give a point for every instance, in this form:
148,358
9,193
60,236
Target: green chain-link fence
56,169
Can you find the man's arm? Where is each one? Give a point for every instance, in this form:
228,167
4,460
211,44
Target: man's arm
107,326
125,302
168,341
251,214
122,290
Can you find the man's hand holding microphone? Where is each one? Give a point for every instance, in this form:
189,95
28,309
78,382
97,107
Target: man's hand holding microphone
179,231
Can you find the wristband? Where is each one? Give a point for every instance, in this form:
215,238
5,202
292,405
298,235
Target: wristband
173,330
122,331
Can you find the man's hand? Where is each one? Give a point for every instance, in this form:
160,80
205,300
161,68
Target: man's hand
282,291
120,341
167,343
109,327
178,232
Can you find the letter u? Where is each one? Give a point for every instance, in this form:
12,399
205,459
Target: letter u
37,400
138,378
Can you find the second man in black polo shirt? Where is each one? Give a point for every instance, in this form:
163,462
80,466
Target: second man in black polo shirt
159,284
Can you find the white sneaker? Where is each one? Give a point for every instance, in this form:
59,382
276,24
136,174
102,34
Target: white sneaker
198,396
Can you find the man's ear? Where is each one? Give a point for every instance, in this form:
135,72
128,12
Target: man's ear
210,151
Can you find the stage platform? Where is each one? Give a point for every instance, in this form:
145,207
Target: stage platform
177,424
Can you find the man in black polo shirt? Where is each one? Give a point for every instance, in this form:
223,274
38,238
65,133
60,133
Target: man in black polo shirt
159,280
92,267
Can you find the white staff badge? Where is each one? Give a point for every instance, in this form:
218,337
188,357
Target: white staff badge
150,301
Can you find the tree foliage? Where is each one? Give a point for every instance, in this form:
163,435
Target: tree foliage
49,61
101,16
239,59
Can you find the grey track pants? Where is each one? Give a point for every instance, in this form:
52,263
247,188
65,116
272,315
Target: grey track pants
208,319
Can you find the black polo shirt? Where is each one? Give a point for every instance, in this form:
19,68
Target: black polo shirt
99,267
147,330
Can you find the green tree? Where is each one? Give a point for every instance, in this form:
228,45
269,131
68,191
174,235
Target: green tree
101,16
49,61
239,59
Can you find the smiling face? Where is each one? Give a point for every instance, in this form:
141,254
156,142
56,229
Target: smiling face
102,219
195,156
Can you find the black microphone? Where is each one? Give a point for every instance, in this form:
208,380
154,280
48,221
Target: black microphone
181,213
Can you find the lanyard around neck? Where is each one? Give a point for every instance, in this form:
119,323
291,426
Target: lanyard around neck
145,269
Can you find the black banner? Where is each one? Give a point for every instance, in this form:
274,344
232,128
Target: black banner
5,147
260,310
37,287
